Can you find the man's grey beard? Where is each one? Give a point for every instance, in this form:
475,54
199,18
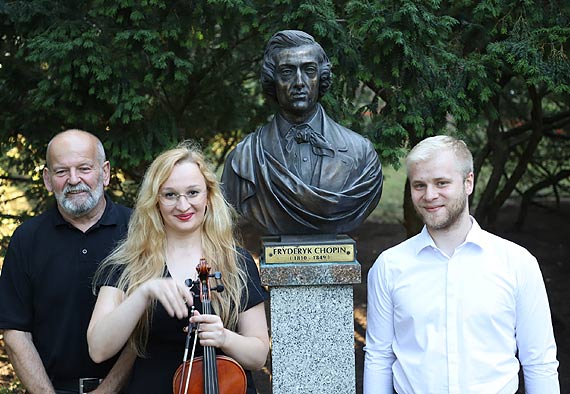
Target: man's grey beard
77,209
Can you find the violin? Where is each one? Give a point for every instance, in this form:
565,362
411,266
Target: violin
210,374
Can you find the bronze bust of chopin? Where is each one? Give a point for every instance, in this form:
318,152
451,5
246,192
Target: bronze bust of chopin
302,173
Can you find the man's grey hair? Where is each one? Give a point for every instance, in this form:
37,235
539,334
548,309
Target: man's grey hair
101,158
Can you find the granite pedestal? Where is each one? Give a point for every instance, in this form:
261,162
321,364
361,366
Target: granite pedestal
312,316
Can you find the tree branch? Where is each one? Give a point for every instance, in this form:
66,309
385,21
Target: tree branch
530,192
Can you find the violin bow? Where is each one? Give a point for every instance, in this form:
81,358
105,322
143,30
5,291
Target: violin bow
191,328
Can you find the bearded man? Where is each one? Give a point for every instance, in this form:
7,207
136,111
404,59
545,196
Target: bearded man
455,309
45,287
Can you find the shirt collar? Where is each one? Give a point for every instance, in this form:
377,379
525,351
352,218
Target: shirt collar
283,125
423,241
107,219
475,236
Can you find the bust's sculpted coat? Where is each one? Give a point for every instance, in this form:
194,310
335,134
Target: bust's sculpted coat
262,183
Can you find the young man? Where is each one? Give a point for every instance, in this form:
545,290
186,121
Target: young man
45,287
454,309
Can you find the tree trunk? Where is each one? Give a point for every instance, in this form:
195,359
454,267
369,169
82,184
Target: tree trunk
412,221
530,192
524,160
499,154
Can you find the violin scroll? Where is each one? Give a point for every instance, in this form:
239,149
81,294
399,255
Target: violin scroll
203,269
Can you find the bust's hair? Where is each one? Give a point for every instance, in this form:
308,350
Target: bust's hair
292,39
433,146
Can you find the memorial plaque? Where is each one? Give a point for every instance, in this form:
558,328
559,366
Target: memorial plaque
306,249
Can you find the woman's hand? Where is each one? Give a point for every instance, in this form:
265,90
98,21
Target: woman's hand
115,315
174,296
211,330
249,346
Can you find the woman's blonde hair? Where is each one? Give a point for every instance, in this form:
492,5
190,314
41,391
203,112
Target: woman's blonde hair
142,255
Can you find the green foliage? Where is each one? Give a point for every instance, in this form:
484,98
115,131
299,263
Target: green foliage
518,81
13,388
143,75
408,64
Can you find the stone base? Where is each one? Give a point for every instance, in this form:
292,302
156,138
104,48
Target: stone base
312,315
312,336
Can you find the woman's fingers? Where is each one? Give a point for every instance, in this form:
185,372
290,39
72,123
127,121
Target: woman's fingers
174,297
211,329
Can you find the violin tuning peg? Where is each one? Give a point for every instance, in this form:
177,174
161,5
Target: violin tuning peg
189,282
219,288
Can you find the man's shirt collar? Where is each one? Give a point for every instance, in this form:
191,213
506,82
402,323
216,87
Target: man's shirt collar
107,219
476,237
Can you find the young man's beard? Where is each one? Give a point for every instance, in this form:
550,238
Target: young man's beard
454,209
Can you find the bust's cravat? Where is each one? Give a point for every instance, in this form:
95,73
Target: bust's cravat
304,133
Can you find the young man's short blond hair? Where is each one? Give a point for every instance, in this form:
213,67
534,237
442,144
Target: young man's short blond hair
433,146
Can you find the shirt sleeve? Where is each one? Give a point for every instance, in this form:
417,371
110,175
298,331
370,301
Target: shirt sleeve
16,289
379,355
255,292
534,333
109,276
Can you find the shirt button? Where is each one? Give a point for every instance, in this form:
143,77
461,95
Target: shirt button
84,251
305,159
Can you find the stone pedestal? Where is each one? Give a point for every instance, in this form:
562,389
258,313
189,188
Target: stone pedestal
312,316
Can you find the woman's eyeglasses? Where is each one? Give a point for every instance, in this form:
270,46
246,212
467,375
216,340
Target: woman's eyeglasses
171,198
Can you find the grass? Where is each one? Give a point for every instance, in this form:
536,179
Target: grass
390,209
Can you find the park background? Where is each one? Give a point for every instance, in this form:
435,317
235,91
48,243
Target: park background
145,74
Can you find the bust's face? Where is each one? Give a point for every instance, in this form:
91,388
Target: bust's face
297,82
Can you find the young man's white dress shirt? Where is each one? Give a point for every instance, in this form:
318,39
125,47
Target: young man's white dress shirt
453,324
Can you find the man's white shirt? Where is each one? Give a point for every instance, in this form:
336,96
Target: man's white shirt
453,324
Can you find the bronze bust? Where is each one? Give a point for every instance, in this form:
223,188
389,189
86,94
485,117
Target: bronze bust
302,173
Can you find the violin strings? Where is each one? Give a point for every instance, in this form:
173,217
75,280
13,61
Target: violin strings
211,372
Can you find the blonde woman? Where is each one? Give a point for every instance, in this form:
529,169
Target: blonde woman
180,217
